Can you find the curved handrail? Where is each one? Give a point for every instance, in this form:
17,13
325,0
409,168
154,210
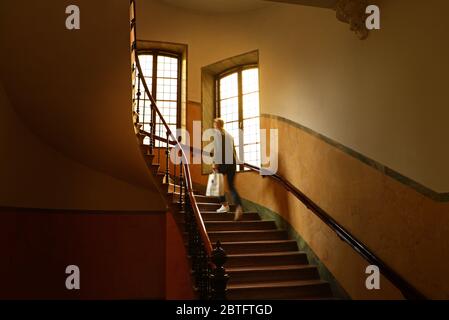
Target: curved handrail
408,290
184,161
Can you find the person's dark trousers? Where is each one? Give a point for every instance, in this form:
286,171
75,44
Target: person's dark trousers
229,170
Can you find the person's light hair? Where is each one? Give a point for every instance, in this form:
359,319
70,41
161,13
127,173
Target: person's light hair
219,122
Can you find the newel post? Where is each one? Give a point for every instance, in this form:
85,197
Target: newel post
219,278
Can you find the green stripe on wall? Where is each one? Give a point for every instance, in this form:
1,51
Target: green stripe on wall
436,196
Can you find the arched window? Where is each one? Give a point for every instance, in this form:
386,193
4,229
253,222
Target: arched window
238,105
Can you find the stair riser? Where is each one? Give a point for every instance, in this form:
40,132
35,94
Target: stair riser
236,226
296,292
140,138
278,275
153,168
259,248
229,217
145,149
247,261
171,188
215,217
159,178
212,206
230,226
230,237
174,198
207,199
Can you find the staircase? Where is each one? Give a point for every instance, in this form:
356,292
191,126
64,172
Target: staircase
262,262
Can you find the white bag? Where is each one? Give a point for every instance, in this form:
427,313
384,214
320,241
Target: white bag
215,185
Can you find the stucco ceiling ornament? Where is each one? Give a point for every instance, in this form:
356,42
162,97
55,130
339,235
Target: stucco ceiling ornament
353,13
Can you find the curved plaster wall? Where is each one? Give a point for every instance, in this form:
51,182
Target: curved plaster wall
72,90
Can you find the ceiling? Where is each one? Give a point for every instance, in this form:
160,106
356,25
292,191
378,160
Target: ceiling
314,3
230,6
218,6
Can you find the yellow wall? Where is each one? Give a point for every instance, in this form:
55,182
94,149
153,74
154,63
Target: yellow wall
404,228
384,97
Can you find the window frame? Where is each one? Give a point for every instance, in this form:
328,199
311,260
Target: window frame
156,53
239,70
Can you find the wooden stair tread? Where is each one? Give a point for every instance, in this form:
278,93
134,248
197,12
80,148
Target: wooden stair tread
172,185
239,222
240,246
261,242
268,254
263,225
223,225
225,213
245,231
201,196
230,213
248,235
212,204
271,268
177,193
276,284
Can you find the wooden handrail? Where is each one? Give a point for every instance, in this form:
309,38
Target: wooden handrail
184,146
408,291
163,140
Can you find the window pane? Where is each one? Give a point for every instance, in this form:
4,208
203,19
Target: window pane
147,127
230,109
168,110
252,154
167,89
229,86
167,79
250,80
145,114
167,67
251,105
251,139
146,63
233,129
149,82
251,131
